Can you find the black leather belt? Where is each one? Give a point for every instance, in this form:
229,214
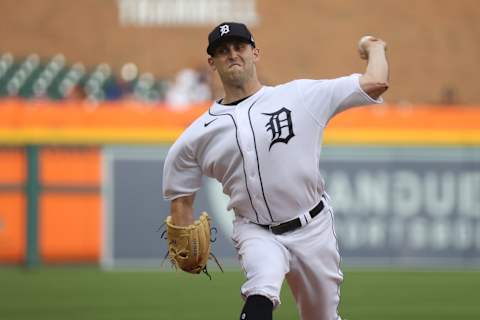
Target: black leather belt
295,223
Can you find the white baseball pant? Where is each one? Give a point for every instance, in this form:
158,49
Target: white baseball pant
307,257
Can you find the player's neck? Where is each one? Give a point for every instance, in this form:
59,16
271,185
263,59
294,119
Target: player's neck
235,93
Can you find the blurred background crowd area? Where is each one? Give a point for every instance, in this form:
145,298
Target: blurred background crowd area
154,50
57,79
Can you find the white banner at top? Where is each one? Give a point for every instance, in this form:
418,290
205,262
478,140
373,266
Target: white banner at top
185,12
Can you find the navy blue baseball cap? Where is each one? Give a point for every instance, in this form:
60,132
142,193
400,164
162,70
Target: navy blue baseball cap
228,30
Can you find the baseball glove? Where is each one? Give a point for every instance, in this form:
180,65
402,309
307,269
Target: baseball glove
189,247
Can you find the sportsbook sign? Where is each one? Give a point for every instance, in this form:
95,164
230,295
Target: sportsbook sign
405,205
393,206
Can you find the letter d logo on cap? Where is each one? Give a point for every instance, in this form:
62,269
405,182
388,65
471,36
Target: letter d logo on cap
224,29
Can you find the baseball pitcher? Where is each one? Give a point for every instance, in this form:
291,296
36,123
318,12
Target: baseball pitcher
263,144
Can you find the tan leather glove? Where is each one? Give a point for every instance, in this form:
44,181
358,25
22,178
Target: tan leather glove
189,247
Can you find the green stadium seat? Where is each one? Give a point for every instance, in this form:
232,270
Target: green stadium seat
54,78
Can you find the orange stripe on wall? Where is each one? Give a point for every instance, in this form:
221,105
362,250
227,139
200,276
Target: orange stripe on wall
412,117
72,166
12,166
24,122
69,227
123,114
12,227
128,114
402,137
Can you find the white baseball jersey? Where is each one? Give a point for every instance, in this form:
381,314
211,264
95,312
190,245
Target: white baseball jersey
265,151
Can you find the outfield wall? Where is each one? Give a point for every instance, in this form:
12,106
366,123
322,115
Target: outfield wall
405,182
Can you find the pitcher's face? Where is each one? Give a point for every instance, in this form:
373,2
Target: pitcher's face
234,60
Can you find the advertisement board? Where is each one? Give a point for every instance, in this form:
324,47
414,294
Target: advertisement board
394,206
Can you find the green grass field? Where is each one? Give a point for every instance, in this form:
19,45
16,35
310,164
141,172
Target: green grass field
88,293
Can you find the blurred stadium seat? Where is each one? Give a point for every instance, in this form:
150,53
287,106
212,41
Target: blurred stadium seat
53,78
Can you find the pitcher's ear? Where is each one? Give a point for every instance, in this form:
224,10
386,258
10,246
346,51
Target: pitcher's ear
256,53
211,63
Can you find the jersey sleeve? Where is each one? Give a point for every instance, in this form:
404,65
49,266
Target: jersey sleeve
182,175
325,98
